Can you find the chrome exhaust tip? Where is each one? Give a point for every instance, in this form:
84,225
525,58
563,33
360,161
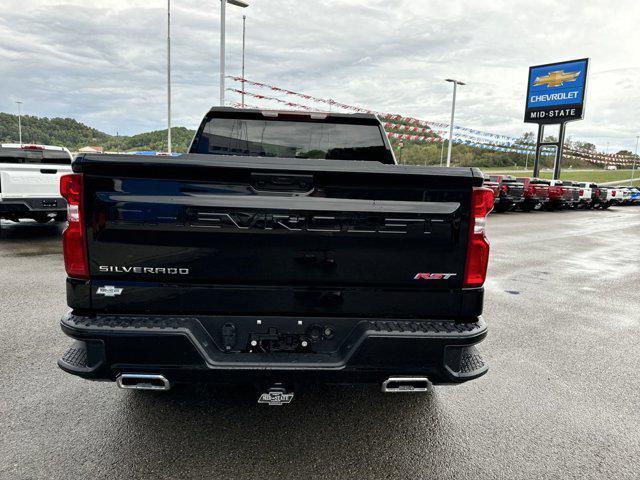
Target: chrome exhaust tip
405,385
142,381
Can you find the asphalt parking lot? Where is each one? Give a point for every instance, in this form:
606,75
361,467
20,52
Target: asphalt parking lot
560,400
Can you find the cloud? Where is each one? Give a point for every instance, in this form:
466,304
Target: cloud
104,62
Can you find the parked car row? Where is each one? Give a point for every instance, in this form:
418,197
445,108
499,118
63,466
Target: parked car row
526,194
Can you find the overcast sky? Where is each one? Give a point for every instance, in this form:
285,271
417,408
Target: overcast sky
103,63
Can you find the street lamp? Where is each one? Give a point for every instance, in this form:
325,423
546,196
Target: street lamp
633,169
453,110
223,8
244,35
169,77
19,120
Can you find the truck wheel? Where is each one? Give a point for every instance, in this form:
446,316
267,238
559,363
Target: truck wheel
526,207
500,208
42,219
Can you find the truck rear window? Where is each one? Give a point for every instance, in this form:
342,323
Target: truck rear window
46,157
293,139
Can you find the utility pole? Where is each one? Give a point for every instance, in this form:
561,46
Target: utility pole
19,120
244,35
169,77
453,111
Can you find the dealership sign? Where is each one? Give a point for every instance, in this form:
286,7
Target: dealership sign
556,91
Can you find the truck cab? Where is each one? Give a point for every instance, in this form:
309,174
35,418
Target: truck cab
29,182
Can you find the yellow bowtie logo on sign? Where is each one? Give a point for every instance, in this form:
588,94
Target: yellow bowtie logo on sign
556,78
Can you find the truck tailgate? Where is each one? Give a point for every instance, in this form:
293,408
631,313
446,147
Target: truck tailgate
219,234
31,180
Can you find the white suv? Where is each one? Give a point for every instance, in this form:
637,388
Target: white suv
29,181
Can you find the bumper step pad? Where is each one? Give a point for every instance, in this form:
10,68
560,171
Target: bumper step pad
465,362
76,356
82,357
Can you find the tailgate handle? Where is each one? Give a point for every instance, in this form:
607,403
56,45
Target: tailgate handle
319,259
49,171
281,182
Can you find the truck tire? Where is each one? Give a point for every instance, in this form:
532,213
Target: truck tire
527,207
42,219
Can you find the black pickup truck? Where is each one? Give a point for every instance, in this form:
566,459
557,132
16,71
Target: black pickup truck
284,248
511,193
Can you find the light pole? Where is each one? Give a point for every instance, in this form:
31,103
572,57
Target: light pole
223,13
244,35
19,121
169,77
453,111
633,169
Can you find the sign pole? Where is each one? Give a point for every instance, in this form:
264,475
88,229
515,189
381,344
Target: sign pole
536,161
558,165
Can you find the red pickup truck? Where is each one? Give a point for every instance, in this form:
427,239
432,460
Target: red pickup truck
557,195
494,187
536,193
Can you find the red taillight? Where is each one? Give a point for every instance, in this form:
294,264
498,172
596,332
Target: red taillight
31,147
613,193
581,192
74,246
504,188
475,270
597,192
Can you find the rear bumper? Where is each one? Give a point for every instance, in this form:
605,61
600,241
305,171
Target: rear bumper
203,349
508,200
28,205
535,199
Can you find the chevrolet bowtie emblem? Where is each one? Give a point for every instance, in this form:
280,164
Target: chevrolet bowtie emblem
556,78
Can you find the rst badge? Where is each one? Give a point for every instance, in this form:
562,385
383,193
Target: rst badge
434,276
109,291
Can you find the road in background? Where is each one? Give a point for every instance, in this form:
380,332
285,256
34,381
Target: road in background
560,399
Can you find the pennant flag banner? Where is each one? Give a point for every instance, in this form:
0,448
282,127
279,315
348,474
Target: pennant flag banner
385,116
422,128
